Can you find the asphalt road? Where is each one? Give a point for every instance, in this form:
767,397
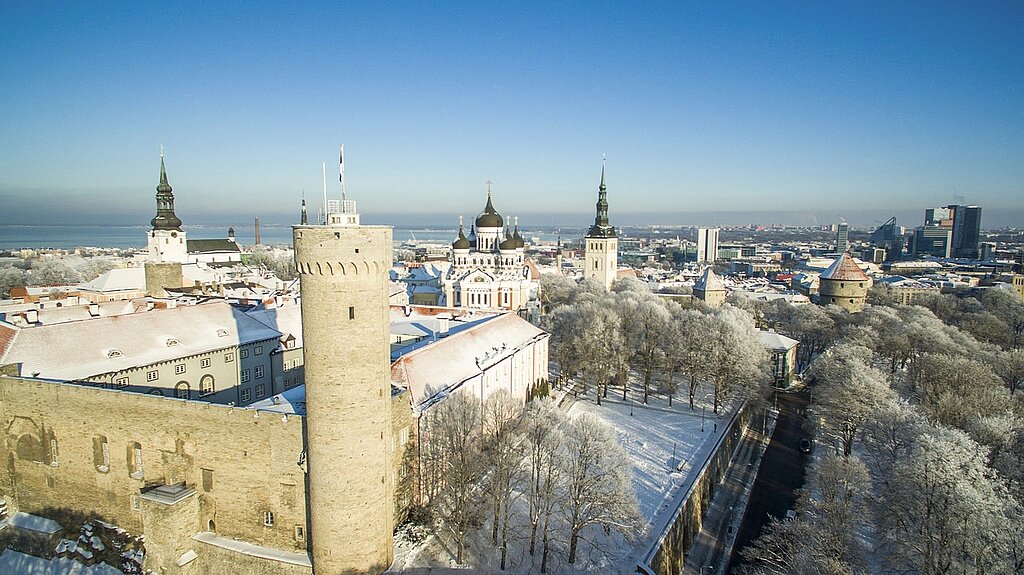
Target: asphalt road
780,474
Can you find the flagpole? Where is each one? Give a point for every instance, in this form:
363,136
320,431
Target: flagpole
326,216
341,171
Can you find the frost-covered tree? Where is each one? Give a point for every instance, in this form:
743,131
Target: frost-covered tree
597,486
503,455
736,363
956,390
543,435
692,347
645,323
10,277
848,391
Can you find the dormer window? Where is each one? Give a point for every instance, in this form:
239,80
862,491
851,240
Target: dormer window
114,353
171,342
222,333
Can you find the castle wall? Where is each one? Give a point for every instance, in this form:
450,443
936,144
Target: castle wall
242,463
161,276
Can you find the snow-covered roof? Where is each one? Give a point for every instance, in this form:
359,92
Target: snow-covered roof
844,269
773,340
445,364
286,319
709,281
118,279
81,349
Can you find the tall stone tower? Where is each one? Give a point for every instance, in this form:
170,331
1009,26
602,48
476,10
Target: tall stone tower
165,243
344,268
601,246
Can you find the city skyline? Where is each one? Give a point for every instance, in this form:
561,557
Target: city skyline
783,114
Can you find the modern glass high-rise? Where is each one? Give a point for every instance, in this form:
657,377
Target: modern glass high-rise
966,231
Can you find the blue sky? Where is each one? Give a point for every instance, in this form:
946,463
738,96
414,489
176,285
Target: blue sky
797,110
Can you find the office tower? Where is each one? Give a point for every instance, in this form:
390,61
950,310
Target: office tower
842,237
707,245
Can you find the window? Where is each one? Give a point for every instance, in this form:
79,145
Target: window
101,453
258,350
206,385
351,312
268,518
121,382
53,452
114,353
244,353
152,375
179,369
181,390
245,376
300,533
135,460
205,362
207,480
258,371
135,503
260,390
155,391
229,357
246,394
403,436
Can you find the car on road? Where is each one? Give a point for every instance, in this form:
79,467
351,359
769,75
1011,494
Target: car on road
805,445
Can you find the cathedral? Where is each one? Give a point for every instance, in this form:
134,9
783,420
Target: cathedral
489,268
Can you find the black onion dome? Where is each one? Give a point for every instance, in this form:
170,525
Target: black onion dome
490,218
461,243
507,244
520,242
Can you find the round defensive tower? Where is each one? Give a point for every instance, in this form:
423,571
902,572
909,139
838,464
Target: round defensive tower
844,284
343,270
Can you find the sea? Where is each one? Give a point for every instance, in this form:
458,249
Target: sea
14,237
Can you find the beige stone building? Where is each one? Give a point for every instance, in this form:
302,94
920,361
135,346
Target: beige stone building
843,284
710,288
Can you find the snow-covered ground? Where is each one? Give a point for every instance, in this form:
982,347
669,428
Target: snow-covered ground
14,562
666,447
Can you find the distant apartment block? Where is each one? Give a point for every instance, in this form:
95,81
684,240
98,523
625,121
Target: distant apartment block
707,245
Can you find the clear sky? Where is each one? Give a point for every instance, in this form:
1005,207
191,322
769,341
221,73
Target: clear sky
807,110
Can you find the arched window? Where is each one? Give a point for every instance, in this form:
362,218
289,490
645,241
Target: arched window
181,390
206,385
155,391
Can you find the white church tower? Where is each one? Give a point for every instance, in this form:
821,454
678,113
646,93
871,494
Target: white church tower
601,246
166,241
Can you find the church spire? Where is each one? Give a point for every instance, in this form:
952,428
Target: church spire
601,227
165,218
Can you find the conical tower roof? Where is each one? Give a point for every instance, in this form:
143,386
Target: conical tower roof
165,218
844,269
709,281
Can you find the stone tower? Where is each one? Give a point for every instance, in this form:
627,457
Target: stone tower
601,246
166,245
710,289
344,268
843,284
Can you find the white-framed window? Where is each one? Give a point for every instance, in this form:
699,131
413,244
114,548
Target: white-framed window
152,375
121,382
229,357
268,518
181,390
179,369
258,371
206,385
245,375
261,390
244,353
258,350
205,362
246,394
403,436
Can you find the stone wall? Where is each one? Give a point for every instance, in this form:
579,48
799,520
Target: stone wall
669,553
71,449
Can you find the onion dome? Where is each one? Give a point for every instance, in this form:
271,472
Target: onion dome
490,218
462,242
508,243
165,218
520,242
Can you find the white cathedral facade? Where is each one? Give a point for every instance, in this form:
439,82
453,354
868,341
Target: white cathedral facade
489,268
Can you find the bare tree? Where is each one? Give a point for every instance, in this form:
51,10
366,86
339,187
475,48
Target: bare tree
693,347
455,429
737,363
598,490
503,453
544,438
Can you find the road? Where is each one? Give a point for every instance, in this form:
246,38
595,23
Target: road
781,473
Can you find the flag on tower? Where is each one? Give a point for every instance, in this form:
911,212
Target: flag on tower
341,164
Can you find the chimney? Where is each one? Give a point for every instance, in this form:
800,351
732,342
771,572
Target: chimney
257,230
32,316
94,310
442,326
